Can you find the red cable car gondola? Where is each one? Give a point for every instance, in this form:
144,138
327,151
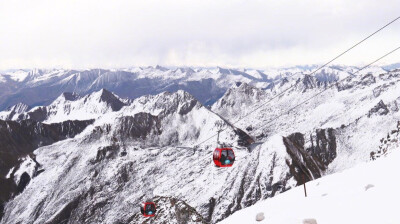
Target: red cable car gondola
148,209
224,157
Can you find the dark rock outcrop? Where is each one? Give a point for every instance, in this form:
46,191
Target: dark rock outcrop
388,144
244,139
170,210
379,109
138,126
21,138
309,163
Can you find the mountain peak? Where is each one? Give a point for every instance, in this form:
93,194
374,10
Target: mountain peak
109,98
223,70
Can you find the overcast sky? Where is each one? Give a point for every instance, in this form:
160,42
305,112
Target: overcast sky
230,33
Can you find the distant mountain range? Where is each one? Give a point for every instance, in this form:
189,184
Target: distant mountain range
41,87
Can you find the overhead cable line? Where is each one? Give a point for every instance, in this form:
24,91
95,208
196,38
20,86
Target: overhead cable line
330,86
319,68
319,93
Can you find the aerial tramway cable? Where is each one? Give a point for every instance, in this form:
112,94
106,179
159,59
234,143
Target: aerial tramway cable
319,68
332,85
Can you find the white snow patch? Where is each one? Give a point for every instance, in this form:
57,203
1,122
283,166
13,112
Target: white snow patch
336,198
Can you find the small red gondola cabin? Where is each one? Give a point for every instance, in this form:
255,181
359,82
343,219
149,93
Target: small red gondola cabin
223,157
148,209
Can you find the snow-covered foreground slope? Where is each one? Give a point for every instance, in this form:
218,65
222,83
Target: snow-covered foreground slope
368,194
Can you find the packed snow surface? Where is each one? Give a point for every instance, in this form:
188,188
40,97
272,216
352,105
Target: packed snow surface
367,194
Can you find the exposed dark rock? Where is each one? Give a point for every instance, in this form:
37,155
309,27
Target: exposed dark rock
170,210
7,190
244,139
346,84
324,149
70,96
308,82
387,144
382,88
284,81
311,82
310,163
23,182
379,109
211,207
20,138
368,79
39,114
139,125
187,107
106,152
261,136
249,128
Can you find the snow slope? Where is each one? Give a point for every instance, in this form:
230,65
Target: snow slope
368,193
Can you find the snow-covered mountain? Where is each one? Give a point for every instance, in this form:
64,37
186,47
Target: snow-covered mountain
367,102
41,87
139,148
150,139
71,106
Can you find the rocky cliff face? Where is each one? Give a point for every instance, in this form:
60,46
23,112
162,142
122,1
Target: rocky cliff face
308,163
18,140
388,144
170,211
